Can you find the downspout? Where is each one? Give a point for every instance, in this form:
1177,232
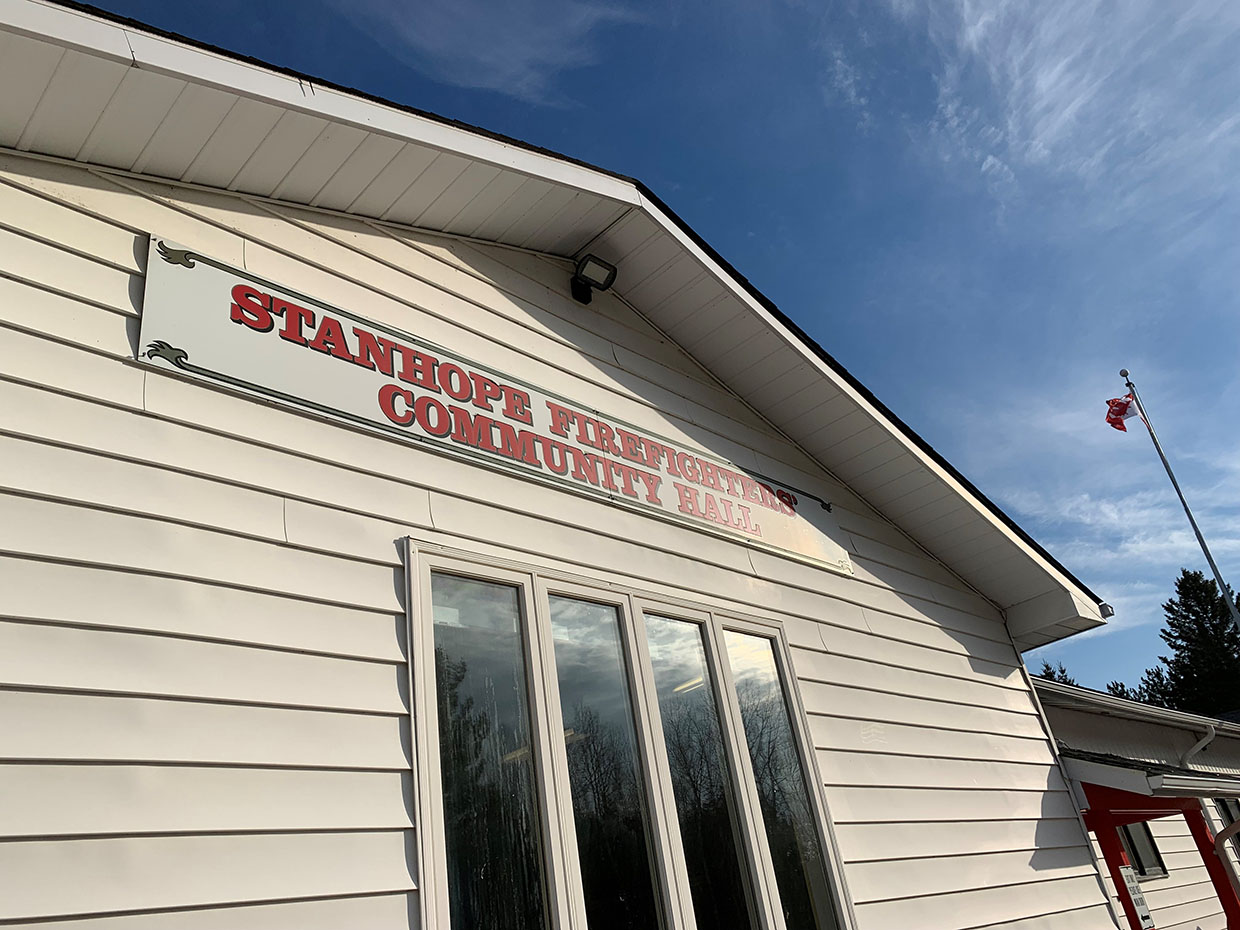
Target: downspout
1199,745
1220,847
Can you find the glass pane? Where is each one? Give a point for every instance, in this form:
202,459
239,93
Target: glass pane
704,803
800,868
608,799
491,817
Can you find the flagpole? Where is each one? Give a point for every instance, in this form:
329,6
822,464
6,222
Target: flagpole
1218,577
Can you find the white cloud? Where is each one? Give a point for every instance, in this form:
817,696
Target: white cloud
516,48
1138,102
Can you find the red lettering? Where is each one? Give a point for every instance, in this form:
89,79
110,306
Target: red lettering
423,409
518,446
485,391
472,430
373,351
387,403
687,499
454,381
417,368
516,405
251,307
787,502
652,483
551,447
561,418
294,318
330,338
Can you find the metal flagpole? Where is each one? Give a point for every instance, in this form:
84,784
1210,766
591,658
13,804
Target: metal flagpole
1132,389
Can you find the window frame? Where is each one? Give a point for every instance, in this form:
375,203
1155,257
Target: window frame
1143,870
564,890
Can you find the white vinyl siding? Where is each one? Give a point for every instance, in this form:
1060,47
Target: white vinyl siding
1183,899
203,592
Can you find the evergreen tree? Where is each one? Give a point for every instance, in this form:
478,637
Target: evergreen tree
1056,672
1202,674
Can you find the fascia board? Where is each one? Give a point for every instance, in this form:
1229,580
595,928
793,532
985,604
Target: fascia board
66,28
1108,776
1081,599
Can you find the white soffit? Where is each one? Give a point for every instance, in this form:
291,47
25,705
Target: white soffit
119,95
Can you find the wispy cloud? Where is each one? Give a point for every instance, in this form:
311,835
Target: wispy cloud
1138,103
516,48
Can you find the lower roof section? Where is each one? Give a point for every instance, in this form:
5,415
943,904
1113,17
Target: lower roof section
84,85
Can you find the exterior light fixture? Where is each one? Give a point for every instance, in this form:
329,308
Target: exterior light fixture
591,273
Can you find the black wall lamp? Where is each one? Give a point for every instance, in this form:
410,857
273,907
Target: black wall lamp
592,273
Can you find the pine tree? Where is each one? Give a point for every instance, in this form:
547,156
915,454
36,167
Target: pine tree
1202,674
1056,672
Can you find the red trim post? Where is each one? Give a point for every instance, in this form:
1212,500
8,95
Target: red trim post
1218,873
1104,827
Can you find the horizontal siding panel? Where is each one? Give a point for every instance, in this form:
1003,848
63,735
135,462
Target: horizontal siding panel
51,471
874,804
393,911
24,357
52,530
87,596
52,222
34,655
50,726
92,876
888,841
50,267
851,768
80,800
874,881
1089,917
860,704
25,306
862,736
969,909
844,670
40,414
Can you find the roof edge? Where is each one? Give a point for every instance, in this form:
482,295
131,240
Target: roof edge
661,212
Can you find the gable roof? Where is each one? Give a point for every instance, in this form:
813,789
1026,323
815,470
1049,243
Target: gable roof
85,85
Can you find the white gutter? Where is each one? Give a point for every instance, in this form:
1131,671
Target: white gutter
1136,781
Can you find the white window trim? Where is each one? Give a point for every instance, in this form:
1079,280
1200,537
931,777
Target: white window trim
566,905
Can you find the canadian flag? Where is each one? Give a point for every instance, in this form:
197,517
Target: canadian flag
1120,409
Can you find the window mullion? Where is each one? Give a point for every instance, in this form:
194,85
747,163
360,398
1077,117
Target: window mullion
770,915
669,851
567,907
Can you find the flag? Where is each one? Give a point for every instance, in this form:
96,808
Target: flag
1120,409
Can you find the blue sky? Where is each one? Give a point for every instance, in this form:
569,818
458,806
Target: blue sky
983,209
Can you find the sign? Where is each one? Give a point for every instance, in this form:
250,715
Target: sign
223,325
1137,897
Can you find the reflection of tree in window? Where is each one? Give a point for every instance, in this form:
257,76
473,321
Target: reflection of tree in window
491,821
608,806
700,781
800,870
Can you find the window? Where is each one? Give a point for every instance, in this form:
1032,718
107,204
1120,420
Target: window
1139,846
591,758
1229,813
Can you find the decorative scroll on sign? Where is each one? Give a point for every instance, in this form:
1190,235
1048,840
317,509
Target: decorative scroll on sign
222,324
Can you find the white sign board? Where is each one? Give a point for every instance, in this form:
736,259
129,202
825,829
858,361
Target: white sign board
223,325
1137,897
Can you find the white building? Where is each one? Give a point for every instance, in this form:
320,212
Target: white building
354,574
1158,789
